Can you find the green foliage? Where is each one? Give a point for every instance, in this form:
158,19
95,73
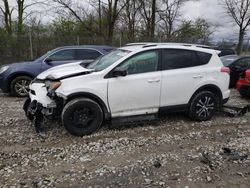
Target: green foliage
194,32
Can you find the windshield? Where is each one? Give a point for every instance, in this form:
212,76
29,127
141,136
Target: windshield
228,60
44,55
105,61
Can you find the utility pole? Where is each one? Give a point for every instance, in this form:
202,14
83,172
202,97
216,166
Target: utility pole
248,41
31,44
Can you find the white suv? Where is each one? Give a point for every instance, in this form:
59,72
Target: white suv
131,83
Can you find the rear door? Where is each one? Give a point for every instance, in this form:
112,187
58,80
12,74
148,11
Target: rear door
182,73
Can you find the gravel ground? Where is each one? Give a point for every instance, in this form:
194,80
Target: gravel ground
172,152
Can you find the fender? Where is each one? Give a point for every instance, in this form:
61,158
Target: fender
97,99
209,87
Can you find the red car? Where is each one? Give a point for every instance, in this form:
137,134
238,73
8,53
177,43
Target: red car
243,84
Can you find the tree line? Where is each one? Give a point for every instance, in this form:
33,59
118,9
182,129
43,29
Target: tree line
113,22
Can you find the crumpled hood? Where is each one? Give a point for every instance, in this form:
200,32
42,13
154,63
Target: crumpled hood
63,71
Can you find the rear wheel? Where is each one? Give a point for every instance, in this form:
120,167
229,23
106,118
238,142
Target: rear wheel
19,87
203,106
82,116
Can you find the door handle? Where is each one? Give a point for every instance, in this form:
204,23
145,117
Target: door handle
198,76
153,80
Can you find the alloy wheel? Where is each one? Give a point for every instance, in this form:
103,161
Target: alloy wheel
205,106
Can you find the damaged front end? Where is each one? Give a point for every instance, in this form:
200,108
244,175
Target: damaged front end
43,103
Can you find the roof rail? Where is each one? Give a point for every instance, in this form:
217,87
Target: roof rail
149,44
139,44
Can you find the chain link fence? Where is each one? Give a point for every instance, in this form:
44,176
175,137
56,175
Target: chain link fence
31,46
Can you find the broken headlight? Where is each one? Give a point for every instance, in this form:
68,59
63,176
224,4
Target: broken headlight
52,85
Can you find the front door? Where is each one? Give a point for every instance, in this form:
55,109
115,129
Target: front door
138,92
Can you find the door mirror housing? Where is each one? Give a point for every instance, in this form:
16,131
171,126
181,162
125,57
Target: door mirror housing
48,61
118,73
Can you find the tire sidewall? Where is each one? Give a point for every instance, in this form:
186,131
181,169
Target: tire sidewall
192,110
13,92
78,103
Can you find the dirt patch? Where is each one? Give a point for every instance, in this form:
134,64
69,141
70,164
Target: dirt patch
172,152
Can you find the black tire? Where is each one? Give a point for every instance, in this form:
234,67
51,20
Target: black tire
26,107
203,106
19,87
82,116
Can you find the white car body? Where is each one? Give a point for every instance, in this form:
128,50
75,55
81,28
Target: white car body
135,94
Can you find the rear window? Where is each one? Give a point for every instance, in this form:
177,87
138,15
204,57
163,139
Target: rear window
225,52
178,58
87,54
203,58
228,60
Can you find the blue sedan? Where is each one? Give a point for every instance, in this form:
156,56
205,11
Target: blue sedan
15,78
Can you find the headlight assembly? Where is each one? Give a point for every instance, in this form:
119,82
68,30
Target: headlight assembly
3,69
52,85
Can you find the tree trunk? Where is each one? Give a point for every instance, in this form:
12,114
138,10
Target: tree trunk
240,44
7,17
20,4
152,24
100,16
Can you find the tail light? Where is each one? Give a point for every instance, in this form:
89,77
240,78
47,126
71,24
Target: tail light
225,69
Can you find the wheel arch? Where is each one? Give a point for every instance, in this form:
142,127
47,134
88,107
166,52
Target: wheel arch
13,76
98,100
209,87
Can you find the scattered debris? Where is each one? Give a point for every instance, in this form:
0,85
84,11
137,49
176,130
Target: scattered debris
206,160
157,163
174,152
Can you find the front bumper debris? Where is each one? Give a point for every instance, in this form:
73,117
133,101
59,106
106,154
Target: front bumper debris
37,113
233,111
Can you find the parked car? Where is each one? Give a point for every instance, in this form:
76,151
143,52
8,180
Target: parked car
15,78
237,65
129,84
225,51
243,84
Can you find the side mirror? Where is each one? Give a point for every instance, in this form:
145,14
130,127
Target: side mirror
118,73
48,61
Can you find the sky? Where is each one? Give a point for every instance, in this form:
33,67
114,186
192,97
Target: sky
210,10
214,13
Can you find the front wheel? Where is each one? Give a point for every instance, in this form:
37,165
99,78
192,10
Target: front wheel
19,87
203,106
82,116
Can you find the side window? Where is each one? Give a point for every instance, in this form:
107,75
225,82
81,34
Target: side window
244,63
84,54
141,63
177,58
63,55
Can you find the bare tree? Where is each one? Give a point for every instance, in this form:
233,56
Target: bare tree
168,15
7,14
112,10
108,14
239,11
148,12
69,6
129,17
